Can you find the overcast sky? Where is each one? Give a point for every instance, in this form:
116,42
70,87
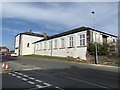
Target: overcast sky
53,18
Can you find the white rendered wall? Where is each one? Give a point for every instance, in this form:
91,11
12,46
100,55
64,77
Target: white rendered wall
17,44
28,39
99,38
73,52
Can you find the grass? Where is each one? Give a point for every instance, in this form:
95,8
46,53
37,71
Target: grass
69,59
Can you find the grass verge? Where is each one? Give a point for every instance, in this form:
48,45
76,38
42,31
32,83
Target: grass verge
56,58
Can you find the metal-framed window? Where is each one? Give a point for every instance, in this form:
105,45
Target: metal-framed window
41,46
82,40
55,41
44,45
71,42
62,43
49,44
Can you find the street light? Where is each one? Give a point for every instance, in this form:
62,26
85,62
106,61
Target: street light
96,54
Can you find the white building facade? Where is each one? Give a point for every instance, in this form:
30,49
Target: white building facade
23,43
72,43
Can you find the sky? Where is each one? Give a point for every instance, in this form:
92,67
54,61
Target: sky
55,17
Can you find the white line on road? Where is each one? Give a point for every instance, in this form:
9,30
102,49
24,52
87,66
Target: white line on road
10,73
38,81
39,86
31,78
13,75
59,88
24,79
16,72
25,75
31,82
47,84
20,73
19,77
85,82
35,68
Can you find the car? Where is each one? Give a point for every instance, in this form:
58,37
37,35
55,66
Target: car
7,54
14,54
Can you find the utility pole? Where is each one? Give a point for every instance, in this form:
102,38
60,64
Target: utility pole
96,54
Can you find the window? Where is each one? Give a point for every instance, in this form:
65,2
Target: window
37,47
82,39
113,40
49,44
71,41
55,43
28,44
62,43
44,45
41,46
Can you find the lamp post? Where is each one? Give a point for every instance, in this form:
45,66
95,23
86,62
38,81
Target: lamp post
96,54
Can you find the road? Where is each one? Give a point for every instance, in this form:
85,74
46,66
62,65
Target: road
32,74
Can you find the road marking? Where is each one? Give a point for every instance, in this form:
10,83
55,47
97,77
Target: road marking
47,84
13,75
31,82
10,73
31,78
16,72
39,86
25,75
38,80
35,68
19,77
86,82
24,79
59,88
20,73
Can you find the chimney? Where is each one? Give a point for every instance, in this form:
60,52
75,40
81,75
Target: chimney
45,35
30,31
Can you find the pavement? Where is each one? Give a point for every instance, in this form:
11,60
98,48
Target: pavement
33,74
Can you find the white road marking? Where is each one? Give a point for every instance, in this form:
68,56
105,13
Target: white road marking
31,78
86,82
25,75
31,82
24,79
19,77
20,73
35,68
10,73
16,72
47,84
39,86
13,75
59,88
38,81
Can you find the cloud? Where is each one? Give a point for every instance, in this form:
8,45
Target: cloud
60,0
71,15
11,31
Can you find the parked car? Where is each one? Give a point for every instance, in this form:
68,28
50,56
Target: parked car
7,54
14,54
